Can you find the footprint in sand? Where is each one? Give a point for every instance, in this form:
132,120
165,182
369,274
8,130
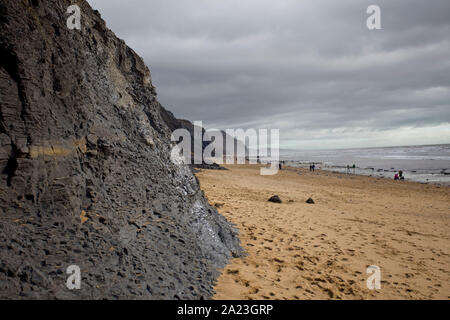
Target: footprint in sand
232,271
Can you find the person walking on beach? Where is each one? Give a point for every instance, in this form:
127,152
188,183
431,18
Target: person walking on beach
354,168
396,176
348,169
313,167
400,175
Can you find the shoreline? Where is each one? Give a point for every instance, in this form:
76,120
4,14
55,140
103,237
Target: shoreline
374,174
321,251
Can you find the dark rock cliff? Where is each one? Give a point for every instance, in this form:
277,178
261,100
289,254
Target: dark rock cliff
86,177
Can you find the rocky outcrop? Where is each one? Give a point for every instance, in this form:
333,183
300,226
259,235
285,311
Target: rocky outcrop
86,176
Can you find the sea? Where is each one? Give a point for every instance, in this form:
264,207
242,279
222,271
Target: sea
425,164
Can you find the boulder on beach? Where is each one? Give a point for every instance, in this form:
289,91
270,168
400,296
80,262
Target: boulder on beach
275,199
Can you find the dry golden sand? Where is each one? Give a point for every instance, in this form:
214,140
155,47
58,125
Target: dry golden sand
321,251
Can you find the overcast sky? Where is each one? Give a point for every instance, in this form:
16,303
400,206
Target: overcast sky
310,68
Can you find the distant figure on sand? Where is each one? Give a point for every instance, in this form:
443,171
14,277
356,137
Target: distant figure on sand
400,174
313,167
354,168
348,169
279,165
396,176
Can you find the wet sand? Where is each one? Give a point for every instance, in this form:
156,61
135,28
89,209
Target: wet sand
321,251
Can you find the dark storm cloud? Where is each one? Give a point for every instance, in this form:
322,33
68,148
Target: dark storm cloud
310,68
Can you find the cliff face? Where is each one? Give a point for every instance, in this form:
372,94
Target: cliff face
86,176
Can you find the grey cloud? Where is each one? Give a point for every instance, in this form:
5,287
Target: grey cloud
309,68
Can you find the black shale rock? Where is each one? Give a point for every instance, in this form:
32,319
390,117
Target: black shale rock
275,199
86,175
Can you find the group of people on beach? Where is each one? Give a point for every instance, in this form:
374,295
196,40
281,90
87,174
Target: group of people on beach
399,176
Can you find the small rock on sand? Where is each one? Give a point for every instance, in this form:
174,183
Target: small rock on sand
310,200
275,199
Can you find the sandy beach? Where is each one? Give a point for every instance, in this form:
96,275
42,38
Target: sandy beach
298,250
